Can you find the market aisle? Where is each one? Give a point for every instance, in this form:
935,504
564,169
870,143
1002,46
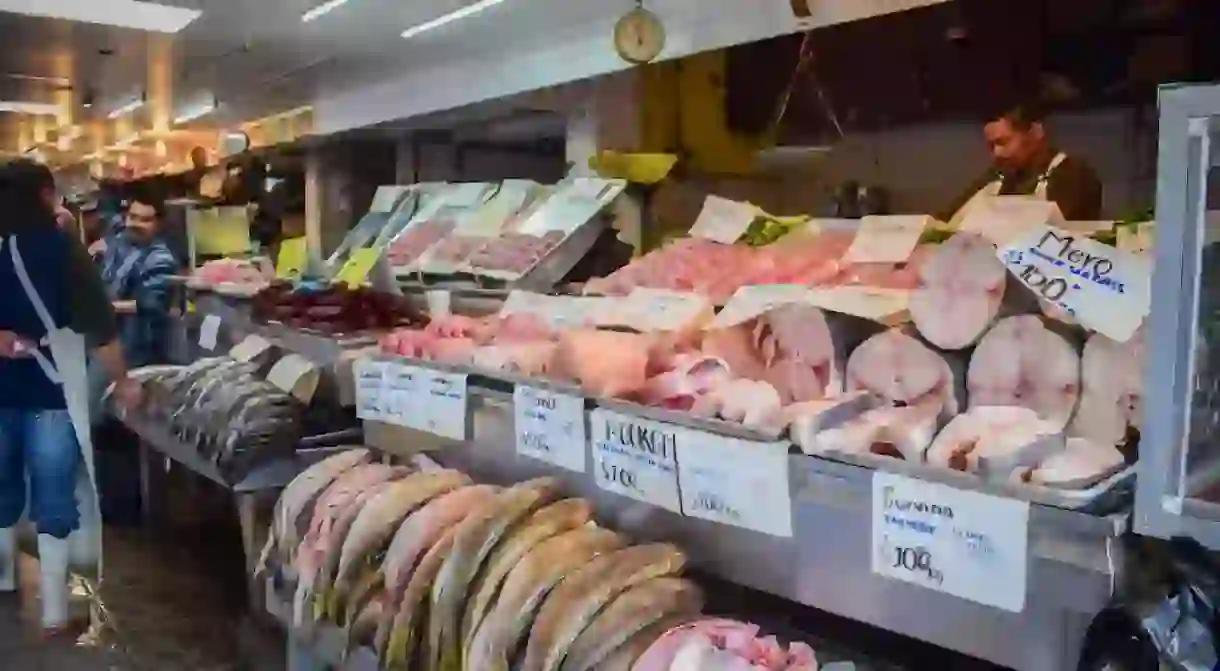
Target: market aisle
164,606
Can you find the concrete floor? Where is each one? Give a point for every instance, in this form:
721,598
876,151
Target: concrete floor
163,607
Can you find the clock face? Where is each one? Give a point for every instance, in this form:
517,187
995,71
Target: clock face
639,36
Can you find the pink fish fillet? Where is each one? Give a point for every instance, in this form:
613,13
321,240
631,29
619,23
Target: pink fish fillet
902,433
424,527
604,363
993,441
960,292
901,370
692,376
1021,362
1112,389
527,359
735,346
1081,464
723,645
803,355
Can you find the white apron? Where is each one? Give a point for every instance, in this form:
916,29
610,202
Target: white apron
69,371
992,190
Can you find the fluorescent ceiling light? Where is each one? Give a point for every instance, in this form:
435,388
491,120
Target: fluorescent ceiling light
119,13
457,15
204,108
127,108
58,81
320,10
19,107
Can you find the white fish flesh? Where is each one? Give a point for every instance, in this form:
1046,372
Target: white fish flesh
903,371
898,432
1021,362
1112,389
633,610
994,441
962,286
1083,463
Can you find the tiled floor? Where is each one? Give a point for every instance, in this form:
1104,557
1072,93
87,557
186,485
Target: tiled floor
166,605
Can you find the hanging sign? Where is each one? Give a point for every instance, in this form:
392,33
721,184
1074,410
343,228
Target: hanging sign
970,545
636,458
737,482
1103,288
550,427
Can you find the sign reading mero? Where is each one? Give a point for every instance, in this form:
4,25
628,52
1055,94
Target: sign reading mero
1104,288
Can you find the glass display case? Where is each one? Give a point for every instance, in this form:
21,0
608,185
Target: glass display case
1179,479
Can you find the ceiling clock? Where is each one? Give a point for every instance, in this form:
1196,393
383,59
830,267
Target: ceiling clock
639,37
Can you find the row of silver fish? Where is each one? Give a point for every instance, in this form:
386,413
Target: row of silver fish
435,572
224,409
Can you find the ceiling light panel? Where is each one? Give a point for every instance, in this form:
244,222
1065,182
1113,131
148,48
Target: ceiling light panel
20,107
456,15
322,9
133,14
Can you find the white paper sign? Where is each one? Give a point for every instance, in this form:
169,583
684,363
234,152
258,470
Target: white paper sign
888,306
886,239
550,427
250,348
658,310
403,401
208,332
750,301
723,220
1103,288
970,545
737,482
369,375
444,404
1001,219
295,375
635,457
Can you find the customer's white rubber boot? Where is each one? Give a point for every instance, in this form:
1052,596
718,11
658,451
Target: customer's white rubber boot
53,572
8,560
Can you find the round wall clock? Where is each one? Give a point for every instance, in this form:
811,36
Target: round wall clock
639,36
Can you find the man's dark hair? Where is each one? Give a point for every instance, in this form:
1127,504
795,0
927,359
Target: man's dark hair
22,173
151,200
1022,115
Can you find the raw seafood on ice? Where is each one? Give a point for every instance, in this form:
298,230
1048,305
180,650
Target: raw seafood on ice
994,441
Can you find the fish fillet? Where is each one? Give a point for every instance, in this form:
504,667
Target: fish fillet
1021,362
398,644
1112,389
477,536
961,289
549,522
624,657
993,441
1082,463
629,613
501,631
568,609
902,371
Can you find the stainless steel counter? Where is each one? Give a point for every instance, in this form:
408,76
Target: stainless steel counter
1073,557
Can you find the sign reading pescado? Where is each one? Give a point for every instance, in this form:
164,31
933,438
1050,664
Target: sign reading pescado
550,427
1104,288
970,545
636,458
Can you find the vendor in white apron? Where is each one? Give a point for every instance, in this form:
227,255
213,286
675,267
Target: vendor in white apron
52,303
1026,163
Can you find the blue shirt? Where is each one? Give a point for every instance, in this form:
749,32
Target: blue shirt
141,273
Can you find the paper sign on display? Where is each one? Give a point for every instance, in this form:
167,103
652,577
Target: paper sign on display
886,306
886,239
550,427
750,301
635,458
292,259
295,375
723,220
970,545
444,404
1103,288
403,405
370,380
356,271
209,331
659,310
1001,219
736,482
249,348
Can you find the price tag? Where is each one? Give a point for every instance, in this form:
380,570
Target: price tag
292,259
636,458
208,332
250,348
370,379
295,375
403,405
886,306
550,427
886,239
757,299
1103,288
1001,219
356,271
443,406
659,310
737,482
723,220
970,545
